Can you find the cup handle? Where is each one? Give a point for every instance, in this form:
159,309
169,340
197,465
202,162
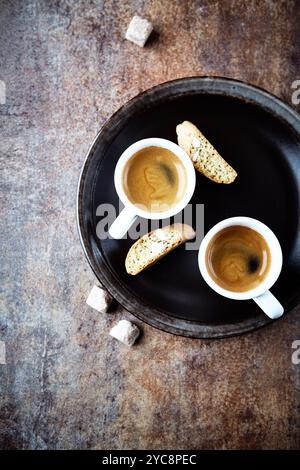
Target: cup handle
122,223
269,304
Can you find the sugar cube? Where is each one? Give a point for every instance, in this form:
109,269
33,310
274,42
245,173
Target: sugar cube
126,332
99,299
139,30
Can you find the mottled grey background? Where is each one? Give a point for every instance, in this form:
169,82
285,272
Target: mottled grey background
66,384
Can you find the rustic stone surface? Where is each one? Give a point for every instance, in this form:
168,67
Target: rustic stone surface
66,383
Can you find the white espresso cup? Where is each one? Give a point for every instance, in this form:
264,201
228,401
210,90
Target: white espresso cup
131,211
260,294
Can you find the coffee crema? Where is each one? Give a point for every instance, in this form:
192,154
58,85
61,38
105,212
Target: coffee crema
155,179
238,258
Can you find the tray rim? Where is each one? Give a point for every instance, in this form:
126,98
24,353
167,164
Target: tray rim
108,279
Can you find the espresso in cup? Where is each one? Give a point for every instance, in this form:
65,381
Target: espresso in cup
155,179
238,258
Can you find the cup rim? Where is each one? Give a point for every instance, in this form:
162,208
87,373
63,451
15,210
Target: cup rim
275,251
179,152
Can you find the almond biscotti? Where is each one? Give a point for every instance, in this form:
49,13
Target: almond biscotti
154,245
205,157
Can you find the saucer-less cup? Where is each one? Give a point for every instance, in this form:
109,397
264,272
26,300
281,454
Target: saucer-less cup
131,211
260,294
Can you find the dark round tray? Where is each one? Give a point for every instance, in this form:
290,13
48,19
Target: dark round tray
260,136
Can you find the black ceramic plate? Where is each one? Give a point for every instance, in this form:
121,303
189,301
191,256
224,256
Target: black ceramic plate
260,136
